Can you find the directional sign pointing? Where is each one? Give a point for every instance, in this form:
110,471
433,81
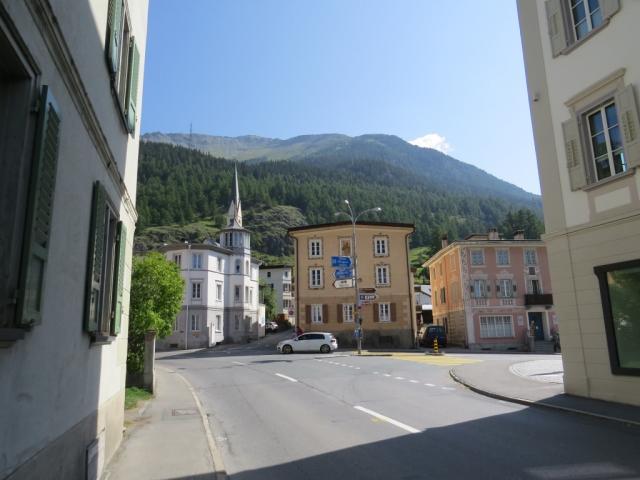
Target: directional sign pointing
343,273
341,262
348,283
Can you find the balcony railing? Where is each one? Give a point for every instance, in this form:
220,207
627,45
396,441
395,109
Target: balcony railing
538,299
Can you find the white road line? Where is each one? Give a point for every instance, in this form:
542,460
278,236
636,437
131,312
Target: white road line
239,363
399,378
286,378
414,381
386,374
387,419
376,373
447,388
429,385
357,368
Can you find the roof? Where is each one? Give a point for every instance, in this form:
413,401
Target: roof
483,243
348,223
270,267
194,246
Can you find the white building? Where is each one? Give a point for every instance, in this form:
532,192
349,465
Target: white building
221,298
279,279
583,79
71,77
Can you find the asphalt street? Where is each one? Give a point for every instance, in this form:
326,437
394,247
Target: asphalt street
314,416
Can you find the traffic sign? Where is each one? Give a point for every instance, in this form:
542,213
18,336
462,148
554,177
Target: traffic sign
341,262
347,283
367,298
343,273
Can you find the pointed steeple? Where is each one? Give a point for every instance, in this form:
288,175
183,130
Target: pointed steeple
234,215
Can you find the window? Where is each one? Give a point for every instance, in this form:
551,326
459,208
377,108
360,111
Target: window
246,294
382,275
236,294
499,326
477,257
316,313
534,286
435,297
502,257
286,287
315,277
443,295
286,274
218,323
123,59
177,259
175,325
236,322
606,141
238,263
196,261
347,312
345,247
620,295
571,21
195,322
196,290
315,248
286,303
504,288
530,257
384,312
479,288
218,291
381,246
268,274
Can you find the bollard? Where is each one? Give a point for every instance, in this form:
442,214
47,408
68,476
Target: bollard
435,346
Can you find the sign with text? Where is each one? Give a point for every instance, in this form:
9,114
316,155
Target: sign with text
343,273
347,283
367,298
341,262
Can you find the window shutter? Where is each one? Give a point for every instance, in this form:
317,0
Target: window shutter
556,25
393,312
628,118
515,287
609,7
307,312
114,21
132,87
376,312
42,186
121,252
92,310
497,287
573,150
340,313
325,313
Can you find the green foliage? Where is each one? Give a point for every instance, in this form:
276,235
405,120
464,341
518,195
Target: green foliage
417,256
522,219
134,395
268,297
156,298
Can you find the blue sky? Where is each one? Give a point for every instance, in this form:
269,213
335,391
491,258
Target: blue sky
452,70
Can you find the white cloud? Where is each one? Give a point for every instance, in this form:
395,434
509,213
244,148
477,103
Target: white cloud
432,140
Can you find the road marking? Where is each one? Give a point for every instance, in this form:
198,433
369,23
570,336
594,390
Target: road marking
357,368
239,363
286,378
386,374
429,385
387,419
447,388
399,378
414,381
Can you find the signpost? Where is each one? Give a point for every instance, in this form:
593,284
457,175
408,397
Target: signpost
346,283
338,262
343,273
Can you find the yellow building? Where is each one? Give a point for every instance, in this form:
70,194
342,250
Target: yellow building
323,304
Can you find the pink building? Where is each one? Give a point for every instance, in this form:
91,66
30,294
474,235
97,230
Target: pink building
492,293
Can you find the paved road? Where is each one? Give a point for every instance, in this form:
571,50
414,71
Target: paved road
307,416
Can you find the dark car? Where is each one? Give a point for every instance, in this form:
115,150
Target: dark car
431,332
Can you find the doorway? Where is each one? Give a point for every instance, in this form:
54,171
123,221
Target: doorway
535,323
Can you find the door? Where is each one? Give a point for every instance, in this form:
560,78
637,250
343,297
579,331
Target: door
302,345
535,324
317,342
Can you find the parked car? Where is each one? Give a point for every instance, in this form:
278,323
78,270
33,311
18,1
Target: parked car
271,327
309,342
430,332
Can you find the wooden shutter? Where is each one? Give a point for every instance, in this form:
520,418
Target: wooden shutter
95,259
609,7
393,312
628,119
376,312
575,158
131,102
114,24
340,313
42,184
556,26
307,311
118,282
325,313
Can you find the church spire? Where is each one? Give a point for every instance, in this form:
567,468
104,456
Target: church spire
234,216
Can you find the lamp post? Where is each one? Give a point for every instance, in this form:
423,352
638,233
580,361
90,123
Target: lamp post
186,321
354,260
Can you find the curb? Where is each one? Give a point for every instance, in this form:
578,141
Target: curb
530,403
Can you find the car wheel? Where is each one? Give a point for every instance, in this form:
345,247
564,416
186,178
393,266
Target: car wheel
287,349
325,348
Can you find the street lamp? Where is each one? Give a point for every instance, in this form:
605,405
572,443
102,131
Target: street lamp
354,260
186,321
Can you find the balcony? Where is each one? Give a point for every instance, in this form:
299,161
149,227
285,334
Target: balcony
531,299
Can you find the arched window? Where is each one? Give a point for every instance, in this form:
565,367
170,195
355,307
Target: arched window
238,266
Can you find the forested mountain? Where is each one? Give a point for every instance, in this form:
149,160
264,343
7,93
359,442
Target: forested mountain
178,186
329,150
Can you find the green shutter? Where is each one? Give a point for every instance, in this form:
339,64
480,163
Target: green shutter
114,32
132,87
95,259
118,282
42,185
556,26
573,151
628,119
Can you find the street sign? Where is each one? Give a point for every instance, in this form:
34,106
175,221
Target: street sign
367,298
346,283
343,273
340,262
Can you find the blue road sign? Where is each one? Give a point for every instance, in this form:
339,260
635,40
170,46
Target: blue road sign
344,273
341,262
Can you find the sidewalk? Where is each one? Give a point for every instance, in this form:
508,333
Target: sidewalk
537,383
167,439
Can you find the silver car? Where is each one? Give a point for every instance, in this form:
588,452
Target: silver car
309,342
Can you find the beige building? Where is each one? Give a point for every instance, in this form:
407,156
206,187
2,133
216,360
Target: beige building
383,265
583,78
70,97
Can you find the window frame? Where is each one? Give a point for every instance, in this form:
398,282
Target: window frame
312,277
385,281
381,241
348,313
530,252
593,163
196,261
194,316
474,290
196,286
384,317
495,317
316,313
476,251
498,251
315,242
502,291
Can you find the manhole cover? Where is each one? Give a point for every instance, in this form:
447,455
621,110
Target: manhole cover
176,412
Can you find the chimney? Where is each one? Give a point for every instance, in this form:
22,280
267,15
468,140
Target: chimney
518,235
445,241
493,234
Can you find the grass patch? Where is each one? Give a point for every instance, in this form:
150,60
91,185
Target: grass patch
133,395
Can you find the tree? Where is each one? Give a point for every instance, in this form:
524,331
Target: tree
156,298
269,300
